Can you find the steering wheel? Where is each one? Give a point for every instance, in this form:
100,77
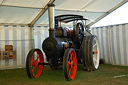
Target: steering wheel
79,32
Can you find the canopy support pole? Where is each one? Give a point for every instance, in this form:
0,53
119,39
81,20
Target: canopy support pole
35,20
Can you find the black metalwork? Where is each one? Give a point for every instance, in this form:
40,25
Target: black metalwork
68,18
62,38
64,46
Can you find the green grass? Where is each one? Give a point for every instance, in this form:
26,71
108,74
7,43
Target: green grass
103,76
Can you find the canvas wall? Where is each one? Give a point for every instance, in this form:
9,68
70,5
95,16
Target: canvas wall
40,33
19,37
113,43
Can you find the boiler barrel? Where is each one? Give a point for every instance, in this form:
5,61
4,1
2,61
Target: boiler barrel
52,45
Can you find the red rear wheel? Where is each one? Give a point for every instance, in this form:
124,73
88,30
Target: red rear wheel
70,64
33,68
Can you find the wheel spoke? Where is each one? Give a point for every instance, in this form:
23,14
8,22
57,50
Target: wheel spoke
74,60
33,73
37,57
33,69
71,55
71,58
38,70
69,63
94,42
94,45
32,64
32,58
70,71
94,59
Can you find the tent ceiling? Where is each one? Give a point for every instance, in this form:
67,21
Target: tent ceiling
29,11
87,5
44,18
17,15
25,3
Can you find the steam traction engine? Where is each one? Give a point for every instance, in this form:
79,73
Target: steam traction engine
65,47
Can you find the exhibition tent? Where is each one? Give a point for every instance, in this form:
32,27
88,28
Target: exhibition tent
24,23
30,12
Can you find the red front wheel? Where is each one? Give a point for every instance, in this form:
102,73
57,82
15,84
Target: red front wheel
33,68
70,64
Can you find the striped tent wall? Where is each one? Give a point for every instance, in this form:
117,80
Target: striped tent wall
113,43
19,37
40,33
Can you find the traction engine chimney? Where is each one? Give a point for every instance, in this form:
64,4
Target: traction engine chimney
51,20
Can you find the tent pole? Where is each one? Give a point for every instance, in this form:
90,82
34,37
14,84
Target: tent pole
34,21
31,38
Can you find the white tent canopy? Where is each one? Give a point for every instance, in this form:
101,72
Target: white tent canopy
33,11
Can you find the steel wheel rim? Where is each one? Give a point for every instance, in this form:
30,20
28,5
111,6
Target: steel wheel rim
96,53
36,58
72,64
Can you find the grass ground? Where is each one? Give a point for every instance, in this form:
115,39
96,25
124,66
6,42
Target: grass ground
103,76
